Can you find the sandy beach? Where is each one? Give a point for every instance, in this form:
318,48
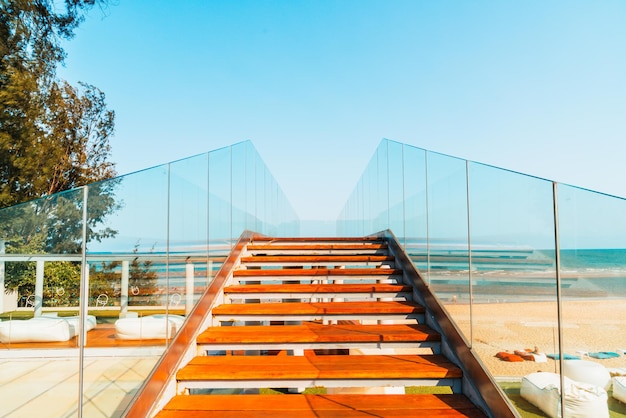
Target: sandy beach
588,326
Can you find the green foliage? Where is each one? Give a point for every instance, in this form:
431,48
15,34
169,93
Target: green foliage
53,136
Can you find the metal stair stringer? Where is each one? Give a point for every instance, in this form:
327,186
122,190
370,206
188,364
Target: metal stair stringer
478,384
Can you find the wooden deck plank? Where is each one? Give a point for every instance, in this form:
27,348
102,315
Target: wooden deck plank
319,288
322,272
316,239
467,413
322,405
329,367
312,332
319,402
316,247
319,308
304,259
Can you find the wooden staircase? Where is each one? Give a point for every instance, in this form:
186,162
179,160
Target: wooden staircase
331,313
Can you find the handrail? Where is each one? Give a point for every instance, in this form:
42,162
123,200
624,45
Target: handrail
494,400
157,382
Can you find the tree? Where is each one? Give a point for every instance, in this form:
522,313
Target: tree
53,136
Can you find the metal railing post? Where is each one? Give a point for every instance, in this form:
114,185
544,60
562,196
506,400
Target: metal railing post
557,259
83,304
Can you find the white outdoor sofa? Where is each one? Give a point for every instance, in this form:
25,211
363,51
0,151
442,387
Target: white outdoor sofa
45,328
148,327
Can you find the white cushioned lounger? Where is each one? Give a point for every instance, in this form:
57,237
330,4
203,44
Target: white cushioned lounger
619,388
74,322
148,327
46,328
41,329
587,372
581,399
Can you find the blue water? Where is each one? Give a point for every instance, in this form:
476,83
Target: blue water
585,273
596,259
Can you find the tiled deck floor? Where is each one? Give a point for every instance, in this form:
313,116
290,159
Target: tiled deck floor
41,379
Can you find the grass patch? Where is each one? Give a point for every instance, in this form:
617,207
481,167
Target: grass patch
428,390
284,391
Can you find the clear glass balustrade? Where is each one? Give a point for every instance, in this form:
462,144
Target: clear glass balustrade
133,254
520,263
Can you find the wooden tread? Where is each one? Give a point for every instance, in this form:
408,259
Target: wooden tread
319,288
316,239
310,332
318,310
323,272
325,370
315,406
316,259
316,247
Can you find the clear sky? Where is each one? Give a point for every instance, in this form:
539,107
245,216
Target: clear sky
537,87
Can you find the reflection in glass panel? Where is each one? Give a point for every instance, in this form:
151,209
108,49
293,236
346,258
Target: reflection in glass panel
512,261
592,233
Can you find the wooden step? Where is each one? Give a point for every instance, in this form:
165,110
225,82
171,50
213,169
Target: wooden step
315,406
212,372
277,240
312,335
317,311
308,291
316,249
369,274
318,260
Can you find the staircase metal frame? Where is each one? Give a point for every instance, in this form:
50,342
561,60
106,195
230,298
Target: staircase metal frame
161,381
478,384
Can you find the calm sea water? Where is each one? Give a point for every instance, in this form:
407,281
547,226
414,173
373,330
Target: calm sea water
597,259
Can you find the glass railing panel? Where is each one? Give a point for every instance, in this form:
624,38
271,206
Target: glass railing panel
239,187
128,284
371,184
260,196
270,203
381,188
448,235
220,237
415,202
137,233
513,272
396,215
252,159
188,261
41,242
592,235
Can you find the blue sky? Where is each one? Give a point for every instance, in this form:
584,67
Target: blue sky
536,87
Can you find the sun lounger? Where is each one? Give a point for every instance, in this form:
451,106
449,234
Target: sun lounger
619,388
581,399
46,328
588,372
148,327
41,329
